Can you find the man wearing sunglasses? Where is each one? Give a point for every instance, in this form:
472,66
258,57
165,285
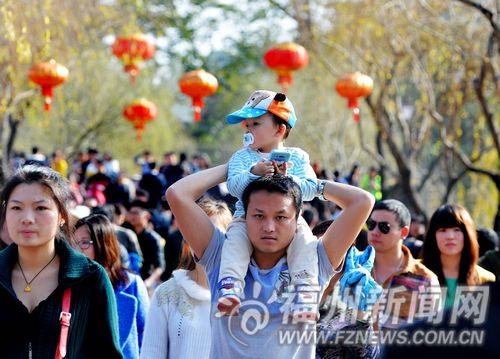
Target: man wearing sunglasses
405,280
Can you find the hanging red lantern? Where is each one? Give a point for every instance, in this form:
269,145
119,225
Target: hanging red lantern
48,75
285,59
131,50
198,84
139,112
353,86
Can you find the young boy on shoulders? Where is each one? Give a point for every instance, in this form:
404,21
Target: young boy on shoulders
267,118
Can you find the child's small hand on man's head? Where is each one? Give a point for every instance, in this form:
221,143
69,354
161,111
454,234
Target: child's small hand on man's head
263,168
280,167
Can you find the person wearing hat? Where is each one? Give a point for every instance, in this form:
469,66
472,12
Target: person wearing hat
267,118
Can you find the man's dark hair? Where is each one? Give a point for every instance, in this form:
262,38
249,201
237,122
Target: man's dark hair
487,239
321,227
310,215
399,209
139,204
418,218
274,184
106,210
118,208
141,192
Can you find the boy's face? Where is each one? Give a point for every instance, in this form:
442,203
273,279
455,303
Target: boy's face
265,132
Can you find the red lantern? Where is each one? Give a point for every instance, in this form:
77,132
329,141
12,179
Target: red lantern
284,59
198,84
352,86
48,75
131,50
139,112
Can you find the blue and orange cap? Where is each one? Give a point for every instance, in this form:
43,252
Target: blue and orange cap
262,101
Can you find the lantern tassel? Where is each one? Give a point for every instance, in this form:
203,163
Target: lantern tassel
138,135
47,92
284,87
197,113
353,103
47,104
356,114
285,79
197,106
133,70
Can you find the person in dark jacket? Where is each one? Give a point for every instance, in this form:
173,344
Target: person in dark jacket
151,244
39,266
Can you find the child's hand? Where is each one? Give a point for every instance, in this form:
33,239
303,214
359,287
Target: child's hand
263,168
280,167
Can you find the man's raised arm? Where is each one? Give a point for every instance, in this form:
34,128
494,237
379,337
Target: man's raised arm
357,205
193,223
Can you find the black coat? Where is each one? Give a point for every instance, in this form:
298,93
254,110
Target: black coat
93,331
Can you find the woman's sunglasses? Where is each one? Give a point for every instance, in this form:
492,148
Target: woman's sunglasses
384,227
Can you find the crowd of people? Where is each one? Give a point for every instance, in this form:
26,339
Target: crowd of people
143,268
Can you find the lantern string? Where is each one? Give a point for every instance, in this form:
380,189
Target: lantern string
356,114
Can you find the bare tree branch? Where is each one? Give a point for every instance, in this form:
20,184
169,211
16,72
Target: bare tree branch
451,184
403,125
487,13
430,171
479,88
6,120
378,113
466,162
375,156
82,136
282,8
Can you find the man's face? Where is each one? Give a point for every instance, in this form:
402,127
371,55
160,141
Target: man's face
417,229
136,216
271,225
385,222
170,159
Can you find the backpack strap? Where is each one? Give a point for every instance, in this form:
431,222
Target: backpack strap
64,318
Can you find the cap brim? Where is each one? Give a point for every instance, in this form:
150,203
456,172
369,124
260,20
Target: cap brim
243,114
292,120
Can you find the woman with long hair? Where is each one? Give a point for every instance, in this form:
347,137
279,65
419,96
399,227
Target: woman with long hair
42,278
95,237
451,250
178,322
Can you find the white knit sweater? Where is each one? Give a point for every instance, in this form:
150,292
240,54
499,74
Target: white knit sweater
178,321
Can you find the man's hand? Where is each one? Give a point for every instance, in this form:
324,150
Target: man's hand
263,168
357,286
